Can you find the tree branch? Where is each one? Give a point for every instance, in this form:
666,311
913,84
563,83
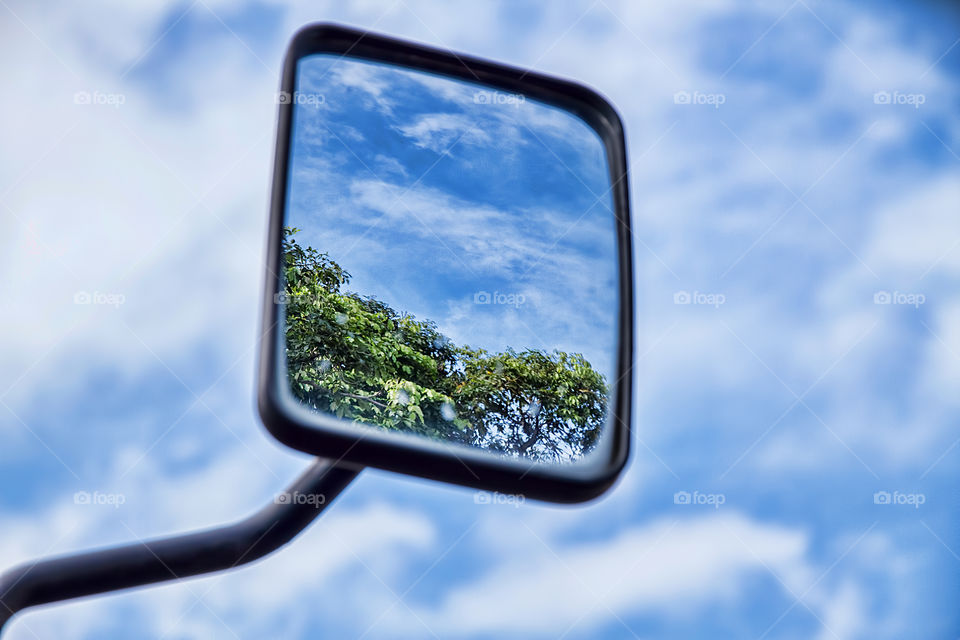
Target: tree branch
369,399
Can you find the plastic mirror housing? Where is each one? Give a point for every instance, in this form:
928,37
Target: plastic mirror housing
325,435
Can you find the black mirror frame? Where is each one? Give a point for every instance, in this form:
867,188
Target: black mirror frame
553,483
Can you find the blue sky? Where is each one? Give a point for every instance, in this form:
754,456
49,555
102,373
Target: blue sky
480,210
799,160
428,194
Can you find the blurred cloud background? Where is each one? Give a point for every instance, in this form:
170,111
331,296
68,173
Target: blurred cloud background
798,160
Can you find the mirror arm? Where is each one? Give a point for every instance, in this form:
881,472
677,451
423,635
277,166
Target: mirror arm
85,574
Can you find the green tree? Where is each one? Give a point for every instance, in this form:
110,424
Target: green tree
358,358
532,403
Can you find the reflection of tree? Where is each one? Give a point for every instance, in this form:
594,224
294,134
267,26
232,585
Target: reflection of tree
358,358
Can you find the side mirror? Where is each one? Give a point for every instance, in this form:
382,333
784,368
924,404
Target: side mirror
449,278
449,294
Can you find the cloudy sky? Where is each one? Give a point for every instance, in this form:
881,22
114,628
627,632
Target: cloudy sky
482,211
795,183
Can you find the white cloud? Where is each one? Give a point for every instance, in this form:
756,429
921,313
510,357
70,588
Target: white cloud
568,296
439,131
269,597
663,566
844,615
919,232
942,357
389,165
93,204
373,536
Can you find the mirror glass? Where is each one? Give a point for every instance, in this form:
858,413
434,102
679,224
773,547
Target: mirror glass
450,265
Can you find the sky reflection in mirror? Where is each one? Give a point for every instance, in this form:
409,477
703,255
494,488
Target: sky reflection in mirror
484,212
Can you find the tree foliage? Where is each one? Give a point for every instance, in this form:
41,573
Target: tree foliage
357,358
